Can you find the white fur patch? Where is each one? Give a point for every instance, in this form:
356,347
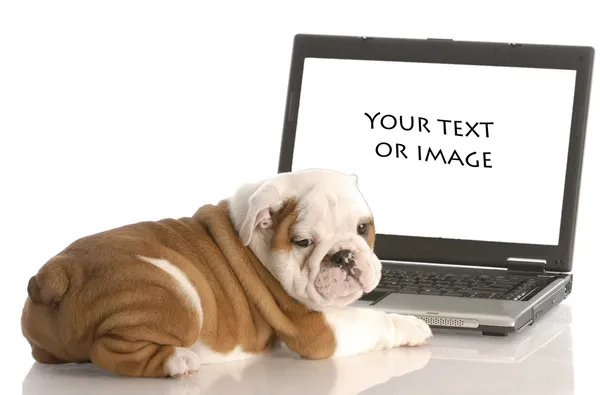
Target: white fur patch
183,362
188,360
185,286
208,356
359,330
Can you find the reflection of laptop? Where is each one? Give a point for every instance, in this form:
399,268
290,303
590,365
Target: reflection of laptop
553,332
469,155
539,360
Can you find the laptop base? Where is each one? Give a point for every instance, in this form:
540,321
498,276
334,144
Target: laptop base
491,317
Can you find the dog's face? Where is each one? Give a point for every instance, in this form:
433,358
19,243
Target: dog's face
315,233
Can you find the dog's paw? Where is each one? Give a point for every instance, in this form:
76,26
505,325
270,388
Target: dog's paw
409,330
183,362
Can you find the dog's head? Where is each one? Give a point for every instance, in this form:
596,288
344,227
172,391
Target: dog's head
315,233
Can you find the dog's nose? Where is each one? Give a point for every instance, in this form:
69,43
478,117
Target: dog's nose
342,257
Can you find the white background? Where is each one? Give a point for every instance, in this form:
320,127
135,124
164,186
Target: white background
119,111
518,199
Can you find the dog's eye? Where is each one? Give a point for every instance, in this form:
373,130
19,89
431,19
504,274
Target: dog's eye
362,229
303,243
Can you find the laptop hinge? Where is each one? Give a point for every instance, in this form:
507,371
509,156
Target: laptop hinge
526,265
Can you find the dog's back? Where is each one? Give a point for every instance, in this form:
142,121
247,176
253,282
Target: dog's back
98,288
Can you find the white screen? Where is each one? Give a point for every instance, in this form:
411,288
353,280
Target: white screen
516,192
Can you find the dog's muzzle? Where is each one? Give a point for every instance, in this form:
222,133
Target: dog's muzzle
344,259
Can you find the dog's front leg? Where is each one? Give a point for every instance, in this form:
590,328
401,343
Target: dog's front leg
358,330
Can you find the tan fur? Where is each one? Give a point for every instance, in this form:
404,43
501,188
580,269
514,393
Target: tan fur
283,220
97,301
370,235
316,340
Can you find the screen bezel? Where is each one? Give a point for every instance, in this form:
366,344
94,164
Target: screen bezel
453,251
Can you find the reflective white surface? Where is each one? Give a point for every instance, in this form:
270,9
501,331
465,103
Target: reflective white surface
536,361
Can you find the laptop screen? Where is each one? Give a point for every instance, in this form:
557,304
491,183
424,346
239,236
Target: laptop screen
443,150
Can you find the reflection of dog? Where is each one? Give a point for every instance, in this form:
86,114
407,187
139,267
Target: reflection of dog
281,258
349,375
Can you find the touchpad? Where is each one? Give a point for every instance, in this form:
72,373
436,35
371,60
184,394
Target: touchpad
374,297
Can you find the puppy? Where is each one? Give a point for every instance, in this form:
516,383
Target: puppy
278,261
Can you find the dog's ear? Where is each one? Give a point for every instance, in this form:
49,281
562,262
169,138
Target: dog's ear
261,205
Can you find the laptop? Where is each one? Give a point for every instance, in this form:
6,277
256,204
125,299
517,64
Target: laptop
469,155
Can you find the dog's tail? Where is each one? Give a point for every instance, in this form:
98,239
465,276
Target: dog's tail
50,284
39,322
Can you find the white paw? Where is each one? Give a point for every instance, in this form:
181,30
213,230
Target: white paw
409,330
183,362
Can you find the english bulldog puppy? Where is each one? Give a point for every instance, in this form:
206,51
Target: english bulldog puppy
279,261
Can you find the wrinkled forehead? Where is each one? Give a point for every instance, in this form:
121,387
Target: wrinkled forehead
332,208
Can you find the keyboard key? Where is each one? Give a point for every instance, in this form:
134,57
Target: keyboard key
408,290
487,289
385,289
430,292
410,287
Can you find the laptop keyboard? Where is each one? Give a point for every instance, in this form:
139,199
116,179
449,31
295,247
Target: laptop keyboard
471,284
